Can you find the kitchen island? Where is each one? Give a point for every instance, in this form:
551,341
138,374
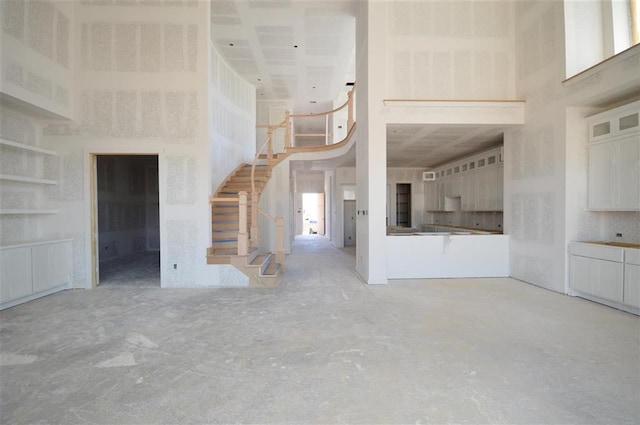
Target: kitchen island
460,254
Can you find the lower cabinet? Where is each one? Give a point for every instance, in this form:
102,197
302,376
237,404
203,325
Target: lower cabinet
29,271
601,278
608,273
632,285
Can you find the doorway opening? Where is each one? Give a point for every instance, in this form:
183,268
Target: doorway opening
313,214
127,243
403,204
349,215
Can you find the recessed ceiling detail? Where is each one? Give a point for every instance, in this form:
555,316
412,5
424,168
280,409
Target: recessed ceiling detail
265,34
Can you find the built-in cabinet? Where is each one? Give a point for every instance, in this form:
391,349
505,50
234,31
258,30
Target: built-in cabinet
470,184
614,159
33,270
606,273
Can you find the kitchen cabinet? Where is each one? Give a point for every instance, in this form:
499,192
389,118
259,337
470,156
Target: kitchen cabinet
453,186
614,160
632,277
482,190
614,175
603,279
605,273
434,196
470,184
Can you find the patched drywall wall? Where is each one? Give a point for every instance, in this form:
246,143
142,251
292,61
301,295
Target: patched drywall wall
37,55
546,160
449,50
232,119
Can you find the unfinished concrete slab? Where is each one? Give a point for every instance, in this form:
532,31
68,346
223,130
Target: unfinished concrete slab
322,347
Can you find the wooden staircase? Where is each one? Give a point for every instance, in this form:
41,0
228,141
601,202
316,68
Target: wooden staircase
261,268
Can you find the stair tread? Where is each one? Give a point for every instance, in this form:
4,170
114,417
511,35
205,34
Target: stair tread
260,259
272,270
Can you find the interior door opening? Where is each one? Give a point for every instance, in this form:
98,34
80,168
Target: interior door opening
127,243
313,222
403,204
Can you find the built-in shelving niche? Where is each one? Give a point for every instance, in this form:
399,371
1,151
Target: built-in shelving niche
35,180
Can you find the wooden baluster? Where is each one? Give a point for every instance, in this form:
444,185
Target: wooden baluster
270,144
279,239
254,219
243,237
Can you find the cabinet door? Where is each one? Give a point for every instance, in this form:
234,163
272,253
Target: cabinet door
628,173
600,278
602,176
430,196
51,266
15,274
632,285
469,191
579,275
453,186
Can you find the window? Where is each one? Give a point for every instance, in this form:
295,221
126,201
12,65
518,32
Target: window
598,29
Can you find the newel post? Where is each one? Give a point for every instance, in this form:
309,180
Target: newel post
243,237
280,239
254,219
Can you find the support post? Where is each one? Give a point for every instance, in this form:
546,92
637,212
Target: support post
280,239
243,237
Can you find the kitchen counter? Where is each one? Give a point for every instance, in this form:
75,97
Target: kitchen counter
447,255
445,228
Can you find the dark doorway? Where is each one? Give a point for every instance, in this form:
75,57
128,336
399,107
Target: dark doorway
128,242
403,204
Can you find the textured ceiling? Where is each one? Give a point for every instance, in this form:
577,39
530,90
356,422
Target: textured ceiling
295,50
302,51
426,146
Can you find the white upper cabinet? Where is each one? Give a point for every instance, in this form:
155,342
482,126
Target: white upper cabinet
470,184
614,159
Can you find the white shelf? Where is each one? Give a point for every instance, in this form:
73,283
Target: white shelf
23,146
21,212
22,179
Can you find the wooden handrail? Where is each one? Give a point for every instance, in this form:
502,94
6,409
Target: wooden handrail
319,114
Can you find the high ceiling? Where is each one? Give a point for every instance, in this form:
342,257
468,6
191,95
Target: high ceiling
296,50
302,51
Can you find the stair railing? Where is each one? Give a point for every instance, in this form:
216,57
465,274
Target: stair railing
349,104
254,233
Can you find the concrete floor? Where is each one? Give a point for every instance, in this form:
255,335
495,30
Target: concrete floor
141,269
320,348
